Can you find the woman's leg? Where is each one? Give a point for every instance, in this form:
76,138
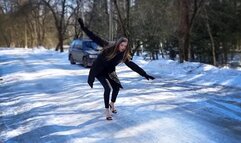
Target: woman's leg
107,90
115,92
115,88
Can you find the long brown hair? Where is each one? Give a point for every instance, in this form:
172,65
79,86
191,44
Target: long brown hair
113,50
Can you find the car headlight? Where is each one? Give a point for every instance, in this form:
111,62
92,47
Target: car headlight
92,56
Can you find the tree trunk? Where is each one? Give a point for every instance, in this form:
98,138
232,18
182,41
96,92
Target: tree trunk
25,36
60,43
186,44
128,16
212,39
162,53
157,55
122,24
225,50
183,30
185,25
110,21
57,47
191,52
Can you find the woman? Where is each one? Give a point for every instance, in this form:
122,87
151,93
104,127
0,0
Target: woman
103,67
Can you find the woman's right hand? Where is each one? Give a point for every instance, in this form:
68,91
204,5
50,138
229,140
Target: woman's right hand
149,77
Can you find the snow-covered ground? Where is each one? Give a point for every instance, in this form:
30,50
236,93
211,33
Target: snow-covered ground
45,99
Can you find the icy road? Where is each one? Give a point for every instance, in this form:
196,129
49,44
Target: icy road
44,99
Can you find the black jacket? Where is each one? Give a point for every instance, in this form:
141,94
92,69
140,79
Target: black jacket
104,67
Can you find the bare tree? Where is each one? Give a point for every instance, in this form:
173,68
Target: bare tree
188,10
62,15
124,22
211,37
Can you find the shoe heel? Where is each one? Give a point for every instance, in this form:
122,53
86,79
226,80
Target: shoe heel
113,111
108,118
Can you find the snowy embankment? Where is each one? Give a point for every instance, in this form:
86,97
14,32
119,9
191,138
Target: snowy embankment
198,73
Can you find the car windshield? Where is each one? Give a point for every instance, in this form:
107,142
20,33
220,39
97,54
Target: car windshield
76,44
89,45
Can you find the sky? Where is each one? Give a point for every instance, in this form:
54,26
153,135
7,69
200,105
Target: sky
43,98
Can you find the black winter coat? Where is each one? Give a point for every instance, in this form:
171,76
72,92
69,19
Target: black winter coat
104,67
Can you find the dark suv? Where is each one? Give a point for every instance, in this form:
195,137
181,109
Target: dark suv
83,51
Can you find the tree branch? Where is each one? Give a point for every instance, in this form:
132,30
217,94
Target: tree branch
121,19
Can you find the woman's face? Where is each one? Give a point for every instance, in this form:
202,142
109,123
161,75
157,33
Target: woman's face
123,46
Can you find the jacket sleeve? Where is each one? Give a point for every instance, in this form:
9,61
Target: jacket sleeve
101,42
135,68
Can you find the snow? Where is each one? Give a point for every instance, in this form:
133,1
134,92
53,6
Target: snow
198,73
45,99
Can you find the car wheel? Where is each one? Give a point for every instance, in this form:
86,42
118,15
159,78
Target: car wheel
85,62
71,59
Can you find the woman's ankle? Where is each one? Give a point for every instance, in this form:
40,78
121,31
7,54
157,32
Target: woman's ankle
112,103
107,113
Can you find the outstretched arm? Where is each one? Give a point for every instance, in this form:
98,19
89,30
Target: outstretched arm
101,42
138,69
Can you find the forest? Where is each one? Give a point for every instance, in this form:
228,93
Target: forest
206,31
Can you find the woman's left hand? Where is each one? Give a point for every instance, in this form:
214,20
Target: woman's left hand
149,77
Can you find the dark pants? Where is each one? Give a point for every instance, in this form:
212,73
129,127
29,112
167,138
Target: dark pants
115,87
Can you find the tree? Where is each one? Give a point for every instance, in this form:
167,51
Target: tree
152,24
97,18
217,31
188,10
62,15
26,24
